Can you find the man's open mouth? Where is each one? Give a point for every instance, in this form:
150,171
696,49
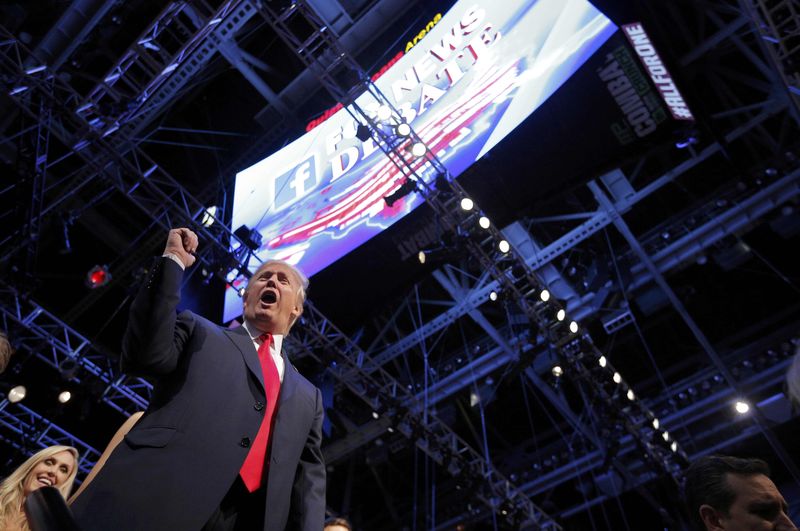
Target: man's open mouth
269,297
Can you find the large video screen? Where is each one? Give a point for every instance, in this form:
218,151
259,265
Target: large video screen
478,72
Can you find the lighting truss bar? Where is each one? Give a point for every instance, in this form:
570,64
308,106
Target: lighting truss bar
54,342
698,413
747,211
712,354
546,255
29,432
152,71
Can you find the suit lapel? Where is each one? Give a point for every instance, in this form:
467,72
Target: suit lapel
289,384
241,339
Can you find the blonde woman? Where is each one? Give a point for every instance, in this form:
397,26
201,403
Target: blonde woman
55,466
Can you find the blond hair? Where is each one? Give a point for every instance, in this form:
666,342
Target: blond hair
12,493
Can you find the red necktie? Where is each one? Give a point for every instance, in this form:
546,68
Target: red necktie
252,470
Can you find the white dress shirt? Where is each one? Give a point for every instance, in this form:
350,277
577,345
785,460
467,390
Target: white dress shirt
274,348
277,339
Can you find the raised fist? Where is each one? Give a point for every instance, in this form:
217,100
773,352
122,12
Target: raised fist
183,244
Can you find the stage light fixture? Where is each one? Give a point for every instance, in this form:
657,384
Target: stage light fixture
208,216
573,327
557,371
741,407
617,378
602,361
384,113
493,296
467,204
504,246
665,436
544,295
631,395
403,129
64,397
656,424
363,132
674,446
98,276
561,314
251,238
421,257
484,222
17,394
376,415
403,190
418,149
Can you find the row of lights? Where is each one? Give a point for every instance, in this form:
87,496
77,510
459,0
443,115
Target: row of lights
18,393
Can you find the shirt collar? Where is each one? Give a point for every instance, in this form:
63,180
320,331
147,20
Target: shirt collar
277,339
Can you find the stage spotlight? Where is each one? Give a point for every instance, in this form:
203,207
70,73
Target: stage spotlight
493,296
631,396
467,204
68,368
98,276
403,129
483,222
504,246
363,132
64,397
376,415
741,407
665,436
421,257
674,446
384,113
602,361
208,216
418,149
656,424
544,295
561,314
617,378
557,371
17,394
573,327
406,188
251,238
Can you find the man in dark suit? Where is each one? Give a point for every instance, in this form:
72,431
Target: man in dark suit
231,438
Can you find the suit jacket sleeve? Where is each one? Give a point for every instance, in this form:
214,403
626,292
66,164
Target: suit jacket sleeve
155,336
308,491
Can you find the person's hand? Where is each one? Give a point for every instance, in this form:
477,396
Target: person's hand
183,244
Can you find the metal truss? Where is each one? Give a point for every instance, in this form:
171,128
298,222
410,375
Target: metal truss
777,24
29,432
505,346
176,45
692,419
52,341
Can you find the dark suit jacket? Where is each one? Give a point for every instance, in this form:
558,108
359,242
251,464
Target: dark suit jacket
176,464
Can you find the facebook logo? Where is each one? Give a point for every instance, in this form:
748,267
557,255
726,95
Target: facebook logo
295,184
